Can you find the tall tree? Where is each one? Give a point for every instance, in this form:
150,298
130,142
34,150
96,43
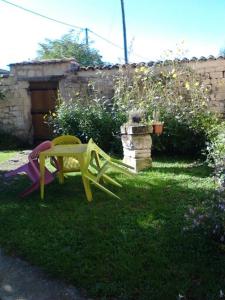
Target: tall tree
70,45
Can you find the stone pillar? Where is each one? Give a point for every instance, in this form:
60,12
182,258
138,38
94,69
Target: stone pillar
137,144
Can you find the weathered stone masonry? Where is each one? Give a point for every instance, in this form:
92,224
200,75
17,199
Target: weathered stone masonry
15,115
213,72
15,109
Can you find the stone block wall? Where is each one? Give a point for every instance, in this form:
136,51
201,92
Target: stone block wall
213,73
79,83
211,70
15,116
42,69
15,109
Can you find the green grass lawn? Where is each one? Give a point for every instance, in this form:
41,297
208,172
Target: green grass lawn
133,248
5,155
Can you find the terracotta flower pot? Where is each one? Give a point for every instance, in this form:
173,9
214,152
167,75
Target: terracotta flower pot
157,128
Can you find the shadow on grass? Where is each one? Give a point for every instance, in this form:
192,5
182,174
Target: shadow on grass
133,248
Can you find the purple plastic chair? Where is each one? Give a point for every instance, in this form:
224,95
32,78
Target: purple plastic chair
32,169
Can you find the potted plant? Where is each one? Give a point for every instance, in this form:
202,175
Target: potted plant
136,116
156,124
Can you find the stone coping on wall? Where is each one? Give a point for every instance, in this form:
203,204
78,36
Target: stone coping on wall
114,66
43,68
152,63
45,62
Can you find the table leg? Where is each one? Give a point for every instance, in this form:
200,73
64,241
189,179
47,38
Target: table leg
86,182
42,175
61,176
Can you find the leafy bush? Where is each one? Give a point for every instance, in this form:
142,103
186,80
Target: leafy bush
209,216
186,138
93,120
179,138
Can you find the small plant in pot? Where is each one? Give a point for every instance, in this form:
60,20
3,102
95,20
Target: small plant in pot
156,124
136,117
137,123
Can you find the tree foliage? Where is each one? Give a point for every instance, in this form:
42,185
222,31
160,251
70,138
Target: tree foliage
69,45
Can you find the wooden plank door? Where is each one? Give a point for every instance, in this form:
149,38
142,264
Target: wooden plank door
43,100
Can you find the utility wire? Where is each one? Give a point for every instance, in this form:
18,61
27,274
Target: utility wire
115,45
104,39
66,24
40,15
60,22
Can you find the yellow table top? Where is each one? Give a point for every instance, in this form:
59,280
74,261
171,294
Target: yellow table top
65,150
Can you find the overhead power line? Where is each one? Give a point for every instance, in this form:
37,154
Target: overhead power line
104,39
113,44
40,15
61,22
68,24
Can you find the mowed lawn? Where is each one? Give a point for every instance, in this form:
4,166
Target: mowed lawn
133,248
5,155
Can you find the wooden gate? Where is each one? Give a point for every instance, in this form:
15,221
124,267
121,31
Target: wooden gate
43,100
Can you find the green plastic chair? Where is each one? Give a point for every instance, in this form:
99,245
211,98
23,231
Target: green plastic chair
96,164
70,164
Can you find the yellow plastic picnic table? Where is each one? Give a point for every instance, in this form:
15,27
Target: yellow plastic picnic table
59,151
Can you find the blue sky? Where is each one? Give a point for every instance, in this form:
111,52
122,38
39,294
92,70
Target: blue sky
195,26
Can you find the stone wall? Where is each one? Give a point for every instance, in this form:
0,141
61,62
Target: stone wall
211,70
78,82
43,69
213,73
15,116
15,109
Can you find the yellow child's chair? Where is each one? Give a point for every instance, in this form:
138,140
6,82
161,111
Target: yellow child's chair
97,162
70,164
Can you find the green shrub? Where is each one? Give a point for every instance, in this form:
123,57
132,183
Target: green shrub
179,138
93,120
186,137
208,217
216,151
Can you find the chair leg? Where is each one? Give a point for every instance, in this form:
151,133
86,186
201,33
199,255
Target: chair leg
87,188
102,187
32,188
14,172
108,179
121,169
